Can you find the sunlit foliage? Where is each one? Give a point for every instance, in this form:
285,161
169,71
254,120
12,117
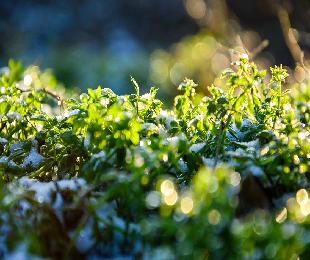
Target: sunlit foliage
223,176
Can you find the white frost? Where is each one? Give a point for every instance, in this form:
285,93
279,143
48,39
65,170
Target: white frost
3,141
255,170
87,140
16,146
150,127
73,112
72,184
252,144
33,159
43,190
20,253
209,162
196,148
183,166
85,238
166,117
174,141
3,159
14,116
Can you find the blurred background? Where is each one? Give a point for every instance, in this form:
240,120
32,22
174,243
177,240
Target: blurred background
159,42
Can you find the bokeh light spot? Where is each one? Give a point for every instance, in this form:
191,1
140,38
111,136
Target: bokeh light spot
281,217
153,199
235,179
27,80
171,199
302,196
187,205
214,217
167,187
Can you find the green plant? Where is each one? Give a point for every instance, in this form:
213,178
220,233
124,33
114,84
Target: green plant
121,175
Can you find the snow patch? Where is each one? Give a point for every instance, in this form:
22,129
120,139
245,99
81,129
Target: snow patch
209,162
150,127
33,159
73,112
43,190
3,141
16,146
183,166
85,239
196,148
20,253
14,116
4,160
255,170
166,117
174,141
87,140
72,184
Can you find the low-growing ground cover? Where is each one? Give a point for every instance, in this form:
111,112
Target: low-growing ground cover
223,176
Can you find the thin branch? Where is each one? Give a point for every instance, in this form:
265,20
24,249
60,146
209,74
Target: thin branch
289,37
54,95
252,54
258,49
48,92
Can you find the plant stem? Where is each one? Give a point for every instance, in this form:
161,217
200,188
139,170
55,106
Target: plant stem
278,108
221,136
